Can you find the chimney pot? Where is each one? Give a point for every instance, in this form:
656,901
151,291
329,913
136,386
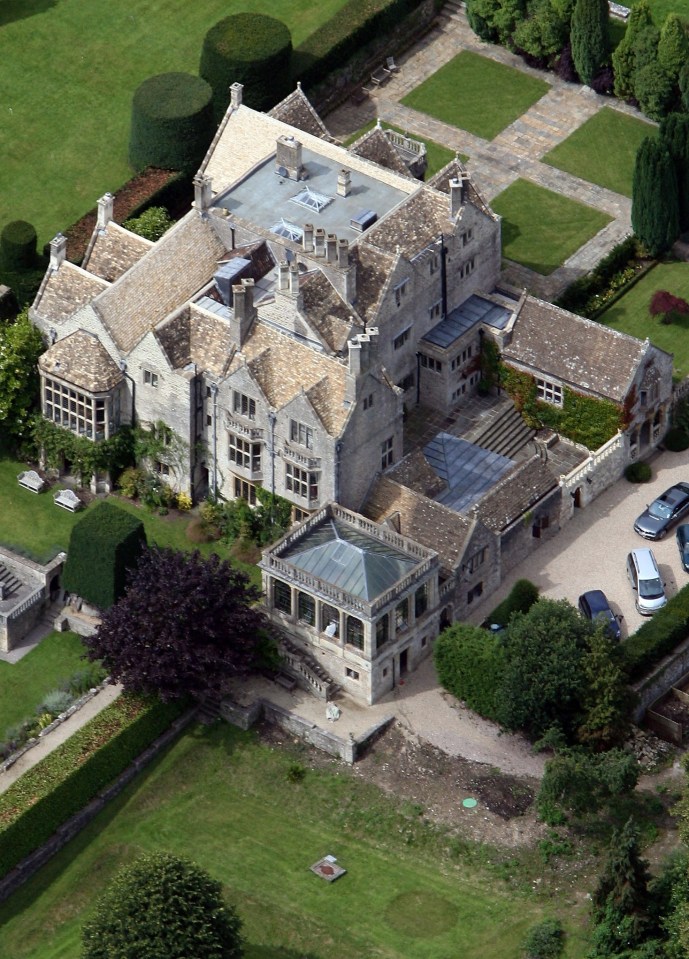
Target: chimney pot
58,251
319,241
244,311
236,91
343,254
288,158
294,278
203,192
105,210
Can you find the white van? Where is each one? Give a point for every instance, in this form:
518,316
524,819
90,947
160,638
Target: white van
644,575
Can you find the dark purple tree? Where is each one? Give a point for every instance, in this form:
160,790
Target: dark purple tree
185,626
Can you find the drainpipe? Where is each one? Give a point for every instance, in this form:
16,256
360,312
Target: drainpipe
338,455
272,419
214,471
443,274
418,377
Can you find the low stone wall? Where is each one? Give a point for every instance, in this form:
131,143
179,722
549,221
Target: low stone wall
666,675
27,867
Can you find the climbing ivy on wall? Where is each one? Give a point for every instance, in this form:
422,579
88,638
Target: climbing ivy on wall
85,456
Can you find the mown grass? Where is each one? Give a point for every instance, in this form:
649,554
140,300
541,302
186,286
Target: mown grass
476,94
411,889
25,683
541,229
630,313
68,76
437,155
603,150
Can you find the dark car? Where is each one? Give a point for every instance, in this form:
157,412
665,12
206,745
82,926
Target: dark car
595,606
683,545
657,518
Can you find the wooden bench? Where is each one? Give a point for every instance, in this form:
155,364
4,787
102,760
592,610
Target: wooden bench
68,500
379,76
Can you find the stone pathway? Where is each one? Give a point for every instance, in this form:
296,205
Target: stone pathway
516,152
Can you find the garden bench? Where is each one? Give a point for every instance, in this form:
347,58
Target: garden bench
68,500
390,65
30,480
380,75
618,10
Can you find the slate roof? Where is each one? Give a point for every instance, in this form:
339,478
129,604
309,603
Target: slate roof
81,360
516,494
580,352
420,518
413,225
453,171
327,312
375,146
113,251
468,471
415,472
372,270
297,110
64,292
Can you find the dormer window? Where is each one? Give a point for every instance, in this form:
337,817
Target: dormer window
243,405
400,292
301,433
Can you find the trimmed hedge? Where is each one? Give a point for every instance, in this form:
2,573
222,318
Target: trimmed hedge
172,122
676,440
252,49
45,797
18,246
521,598
104,544
657,636
638,472
352,27
469,664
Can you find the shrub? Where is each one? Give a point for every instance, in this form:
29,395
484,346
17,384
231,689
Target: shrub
468,660
151,224
676,440
18,246
104,544
132,482
546,940
657,636
667,306
56,702
84,679
251,49
521,598
184,502
172,122
638,473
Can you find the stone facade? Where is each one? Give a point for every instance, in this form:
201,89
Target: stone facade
26,591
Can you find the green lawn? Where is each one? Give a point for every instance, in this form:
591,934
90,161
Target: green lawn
476,94
69,71
541,229
412,890
23,684
630,313
603,150
438,156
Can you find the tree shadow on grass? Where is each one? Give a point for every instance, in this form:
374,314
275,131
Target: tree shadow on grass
272,952
11,10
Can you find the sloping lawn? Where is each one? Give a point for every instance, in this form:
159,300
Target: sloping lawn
541,229
630,313
603,150
438,156
227,802
476,94
25,683
69,71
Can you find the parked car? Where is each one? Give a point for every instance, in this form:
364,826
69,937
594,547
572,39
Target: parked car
683,545
659,515
644,575
594,605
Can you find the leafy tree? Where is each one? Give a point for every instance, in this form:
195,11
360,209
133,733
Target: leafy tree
654,197
151,225
162,907
580,782
589,37
670,898
606,696
544,32
674,133
469,664
481,17
620,905
20,347
684,86
667,306
673,46
624,57
185,625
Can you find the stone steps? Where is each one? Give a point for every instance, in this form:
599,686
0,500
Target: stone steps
507,433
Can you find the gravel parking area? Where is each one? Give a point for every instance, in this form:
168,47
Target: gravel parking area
590,552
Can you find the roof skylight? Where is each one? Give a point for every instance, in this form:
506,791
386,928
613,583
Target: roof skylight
312,200
287,230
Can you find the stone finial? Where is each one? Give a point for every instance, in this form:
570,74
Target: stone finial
105,210
58,251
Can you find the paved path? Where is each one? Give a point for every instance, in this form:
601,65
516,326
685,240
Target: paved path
517,151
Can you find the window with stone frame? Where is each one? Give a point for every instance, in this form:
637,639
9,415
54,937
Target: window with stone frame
402,615
401,338
387,455
301,482
382,630
244,453
476,560
79,412
244,490
162,469
282,597
431,363
474,593
355,632
330,616
421,600
549,392
400,293
306,609
150,378
351,673
243,405
301,433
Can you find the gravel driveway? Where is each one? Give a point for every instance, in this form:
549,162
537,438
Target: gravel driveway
590,551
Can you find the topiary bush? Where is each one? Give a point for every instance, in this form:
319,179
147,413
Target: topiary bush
545,940
252,49
521,598
172,122
676,440
18,246
638,473
469,661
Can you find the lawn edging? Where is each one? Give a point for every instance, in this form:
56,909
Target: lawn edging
58,797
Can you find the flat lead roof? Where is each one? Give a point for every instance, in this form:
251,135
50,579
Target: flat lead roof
472,311
265,198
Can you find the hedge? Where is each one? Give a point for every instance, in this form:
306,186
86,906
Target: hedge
657,636
104,544
521,598
251,49
469,664
172,122
18,246
354,25
46,796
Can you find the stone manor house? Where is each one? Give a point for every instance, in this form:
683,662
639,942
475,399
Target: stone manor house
315,326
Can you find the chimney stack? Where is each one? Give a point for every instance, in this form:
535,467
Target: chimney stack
203,193
331,248
105,208
457,194
344,183
343,254
294,278
58,251
283,276
244,312
319,241
236,95
288,158
308,238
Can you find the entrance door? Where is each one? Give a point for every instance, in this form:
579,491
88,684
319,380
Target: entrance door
403,662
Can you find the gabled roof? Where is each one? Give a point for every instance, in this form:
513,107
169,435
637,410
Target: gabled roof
454,170
327,312
81,360
580,352
297,110
419,518
113,251
64,292
372,270
416,473
413,225
516,494
375,146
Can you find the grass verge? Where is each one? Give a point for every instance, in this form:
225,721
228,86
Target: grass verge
541,229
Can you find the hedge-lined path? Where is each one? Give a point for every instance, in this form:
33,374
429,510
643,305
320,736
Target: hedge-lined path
515,152
57,736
